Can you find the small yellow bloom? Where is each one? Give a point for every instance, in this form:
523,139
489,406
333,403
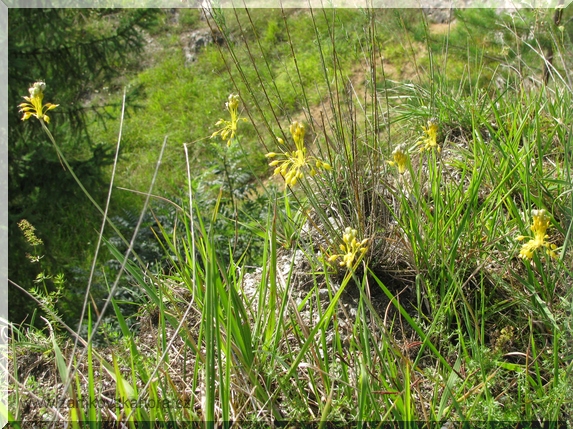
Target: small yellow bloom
33,105
429,141
541,222
229,129
293,162
350,249
28,230
400,157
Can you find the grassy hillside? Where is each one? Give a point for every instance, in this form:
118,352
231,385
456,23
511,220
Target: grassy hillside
357,216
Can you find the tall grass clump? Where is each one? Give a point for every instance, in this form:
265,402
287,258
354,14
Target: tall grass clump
414,251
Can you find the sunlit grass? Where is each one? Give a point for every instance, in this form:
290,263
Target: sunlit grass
390,284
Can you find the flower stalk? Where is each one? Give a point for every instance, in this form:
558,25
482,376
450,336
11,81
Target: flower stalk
34,103
430,139
399,158
541,221
292,163
229,128
350,249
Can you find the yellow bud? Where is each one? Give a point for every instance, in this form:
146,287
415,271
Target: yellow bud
233,102
37,89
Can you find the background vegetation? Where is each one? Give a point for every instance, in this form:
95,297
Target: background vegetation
80,53
233,301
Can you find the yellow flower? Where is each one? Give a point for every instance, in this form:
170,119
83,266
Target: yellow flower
429,141
229,129
400,158
350,249
541,222
291,166
28,230
33,105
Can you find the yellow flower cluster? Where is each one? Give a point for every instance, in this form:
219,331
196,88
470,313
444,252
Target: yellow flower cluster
28,230
541,222
429,141
33,105
291,166
229,129
350,249
400,158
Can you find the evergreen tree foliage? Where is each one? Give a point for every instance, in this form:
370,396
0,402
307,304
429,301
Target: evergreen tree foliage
78,53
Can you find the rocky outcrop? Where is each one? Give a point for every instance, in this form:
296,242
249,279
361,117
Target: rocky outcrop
195,41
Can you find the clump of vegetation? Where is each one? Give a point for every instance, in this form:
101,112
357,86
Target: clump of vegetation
396,276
